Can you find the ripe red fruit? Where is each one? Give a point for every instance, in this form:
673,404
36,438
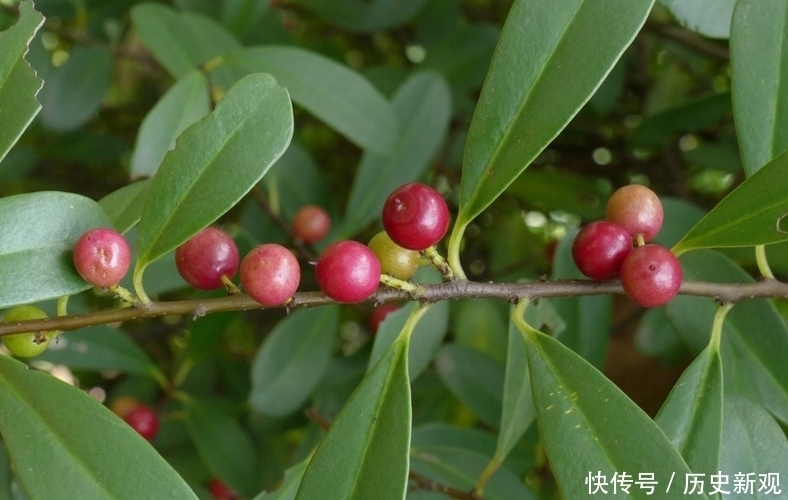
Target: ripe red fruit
378,314
206,257
102,257
348,271
415,216
270,274
143,420
638,209
651,275
311,224
599,249
220,490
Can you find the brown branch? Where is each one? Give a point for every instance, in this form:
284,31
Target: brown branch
454,290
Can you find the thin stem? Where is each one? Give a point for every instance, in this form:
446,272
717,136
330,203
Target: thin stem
716,326
138,286
398,284
439,262
124,295
62,305
455,242
229,285
763,263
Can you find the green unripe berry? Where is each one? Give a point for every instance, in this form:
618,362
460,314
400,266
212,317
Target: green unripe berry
395,261
28,344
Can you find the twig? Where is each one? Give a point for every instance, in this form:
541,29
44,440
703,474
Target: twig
262,200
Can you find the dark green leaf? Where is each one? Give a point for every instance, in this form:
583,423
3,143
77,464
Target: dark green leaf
293,359
590,427
50,426
759,79
755,213
365,453
224,446
689,117
548,190
483,325
423,106
18,82
562,51
474,378
334,93
655,337
214,164
39,231
180,41
73,92
691,417
240,16
124,206
363,16
289,487
711,18
185,103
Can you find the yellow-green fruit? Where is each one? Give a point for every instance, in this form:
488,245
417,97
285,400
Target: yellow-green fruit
28,344
395,261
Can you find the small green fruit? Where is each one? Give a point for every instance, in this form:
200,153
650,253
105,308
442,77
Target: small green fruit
394,260
28,344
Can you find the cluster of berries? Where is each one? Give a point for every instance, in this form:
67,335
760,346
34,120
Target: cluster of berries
618,247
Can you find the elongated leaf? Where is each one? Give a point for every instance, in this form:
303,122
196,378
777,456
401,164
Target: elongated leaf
215,163
100,348
293,359
362,16
591,428
334,93
18,82
759,79
711,18
50,426
365,453
562,51
289,487
124,206
693,116
755,213
423,106
180,41
692,415
39,232
224,446
185,103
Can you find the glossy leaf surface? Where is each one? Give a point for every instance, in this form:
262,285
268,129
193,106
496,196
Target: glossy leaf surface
215,163
41,412
293,359
39,231
18,82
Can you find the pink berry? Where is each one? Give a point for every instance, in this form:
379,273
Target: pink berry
599,249
415,216
638,209
102,257
311,224
270,274
143,420
380,313
651,275
348,271
206,257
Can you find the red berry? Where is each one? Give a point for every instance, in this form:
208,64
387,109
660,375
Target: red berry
206,257
348,271
219,490
143,420
378,314
638,209
415,216
270,274
599,249
102,257
651,275
311,224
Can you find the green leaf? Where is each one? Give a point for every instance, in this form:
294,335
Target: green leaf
687,117
86,450
336,94
365,453
691,417
482,324
364,16
18,82
711,18
475,378
180,41
293,359
124,206
185,103
223,446
214,164
73,92
571,192
759,80
590,427
289,487
755,213
561,51
39,232
423,106
100,348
